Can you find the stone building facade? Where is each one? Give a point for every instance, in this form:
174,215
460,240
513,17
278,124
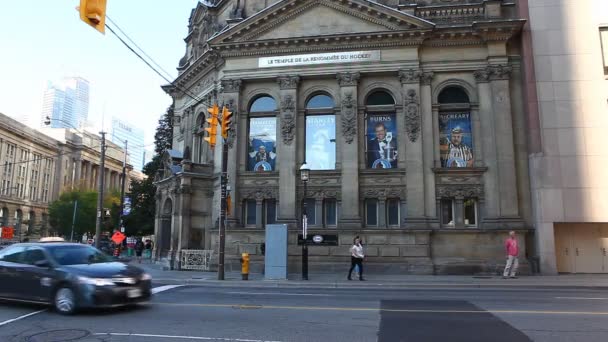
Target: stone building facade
409,115
36,166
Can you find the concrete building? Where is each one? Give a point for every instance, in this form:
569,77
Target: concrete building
123,131
66,103
410,116
38,165
566,79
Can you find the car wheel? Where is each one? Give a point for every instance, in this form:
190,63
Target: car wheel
65,301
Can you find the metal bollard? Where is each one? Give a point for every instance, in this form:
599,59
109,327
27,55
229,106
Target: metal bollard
245,266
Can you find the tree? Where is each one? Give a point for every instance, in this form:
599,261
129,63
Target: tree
140,220
61,212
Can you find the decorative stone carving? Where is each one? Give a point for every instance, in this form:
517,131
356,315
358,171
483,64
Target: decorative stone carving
460,191
382,193
412,115
409,76
426,78
288,82
231,86
346,79
319,194
482,75
260,194
288,121
349,118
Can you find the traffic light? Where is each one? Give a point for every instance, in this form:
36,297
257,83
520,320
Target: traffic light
212,129
93,12
226,119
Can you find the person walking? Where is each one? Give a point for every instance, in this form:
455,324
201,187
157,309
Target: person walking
148,249
512,253
356,258
139,248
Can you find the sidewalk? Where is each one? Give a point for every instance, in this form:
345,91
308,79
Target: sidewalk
375,281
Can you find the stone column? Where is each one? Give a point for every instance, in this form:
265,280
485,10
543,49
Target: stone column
348,138
476,127
89,175
259,213
231,98
382,212
505,150
77,173
429,139
486,118
436,155
185,191
410,81
286,149
107,175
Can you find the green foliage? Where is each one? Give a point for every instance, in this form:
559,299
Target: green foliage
140,220
62,210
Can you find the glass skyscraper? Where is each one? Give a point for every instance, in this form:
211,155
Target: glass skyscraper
122,131
66,103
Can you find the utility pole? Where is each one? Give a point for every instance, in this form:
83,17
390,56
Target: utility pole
74,220
124,182
226,119
102,163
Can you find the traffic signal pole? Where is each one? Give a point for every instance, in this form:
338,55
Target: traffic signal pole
224,183
122,186
101,174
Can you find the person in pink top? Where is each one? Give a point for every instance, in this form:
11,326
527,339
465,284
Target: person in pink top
512,252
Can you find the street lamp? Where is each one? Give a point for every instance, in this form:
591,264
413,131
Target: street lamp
304,175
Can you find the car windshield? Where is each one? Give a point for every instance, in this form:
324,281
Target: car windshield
77,255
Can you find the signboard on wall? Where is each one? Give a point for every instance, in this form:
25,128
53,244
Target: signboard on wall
319,58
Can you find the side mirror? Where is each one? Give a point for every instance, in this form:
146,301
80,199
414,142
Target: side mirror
42,264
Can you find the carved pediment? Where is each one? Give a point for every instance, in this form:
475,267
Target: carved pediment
292,19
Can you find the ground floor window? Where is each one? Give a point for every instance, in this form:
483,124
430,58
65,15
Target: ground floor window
470,212
447,212
392,211
311,211
331,212
271,211
250,212
371,212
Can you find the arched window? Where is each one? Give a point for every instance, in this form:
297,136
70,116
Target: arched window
453,94
4,216
262,126
380,131
320,133
320,101
263,103
379,97
456,139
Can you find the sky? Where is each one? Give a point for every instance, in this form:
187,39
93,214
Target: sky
45,40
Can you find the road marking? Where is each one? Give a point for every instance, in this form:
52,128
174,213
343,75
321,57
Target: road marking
281,294
322,308
588,298
164,288
200,338
22,317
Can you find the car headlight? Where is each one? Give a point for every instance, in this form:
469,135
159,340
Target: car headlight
146,276
95,281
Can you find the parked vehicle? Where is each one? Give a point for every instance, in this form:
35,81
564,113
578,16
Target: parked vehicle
69,276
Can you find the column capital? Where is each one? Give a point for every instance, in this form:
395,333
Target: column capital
409,76
493,73
231,85
427,78
346,79
288,81
482,75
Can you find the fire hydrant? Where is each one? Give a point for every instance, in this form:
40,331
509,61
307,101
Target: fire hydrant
245,266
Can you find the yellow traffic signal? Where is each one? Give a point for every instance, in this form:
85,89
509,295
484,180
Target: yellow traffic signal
212,129
226,119
93,12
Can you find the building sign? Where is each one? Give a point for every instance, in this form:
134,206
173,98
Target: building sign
319,240
321,142
381,142
319,58
455,139
262,144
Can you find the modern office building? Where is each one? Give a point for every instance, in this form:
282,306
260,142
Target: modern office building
66,103
121,131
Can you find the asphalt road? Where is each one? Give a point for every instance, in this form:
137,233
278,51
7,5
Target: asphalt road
199,313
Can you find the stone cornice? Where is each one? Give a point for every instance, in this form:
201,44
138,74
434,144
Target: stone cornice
498,30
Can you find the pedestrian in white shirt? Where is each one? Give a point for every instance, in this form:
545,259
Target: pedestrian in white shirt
356,258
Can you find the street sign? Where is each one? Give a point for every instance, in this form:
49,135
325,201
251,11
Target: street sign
118,237
305,226
317,238
127,206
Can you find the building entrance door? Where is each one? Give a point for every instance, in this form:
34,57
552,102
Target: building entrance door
579,247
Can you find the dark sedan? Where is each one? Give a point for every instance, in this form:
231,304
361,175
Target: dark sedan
69,276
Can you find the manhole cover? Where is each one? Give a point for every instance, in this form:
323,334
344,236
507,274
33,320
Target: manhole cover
58,335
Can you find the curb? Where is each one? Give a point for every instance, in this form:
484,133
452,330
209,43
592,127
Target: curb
367,286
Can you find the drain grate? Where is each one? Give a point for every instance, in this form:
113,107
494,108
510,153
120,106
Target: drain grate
58,335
